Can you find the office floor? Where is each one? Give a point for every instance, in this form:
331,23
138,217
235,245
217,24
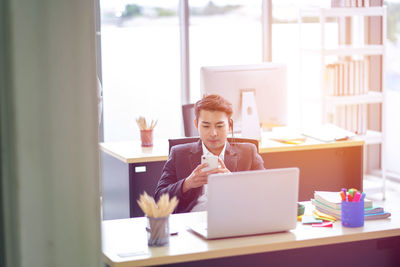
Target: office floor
371,184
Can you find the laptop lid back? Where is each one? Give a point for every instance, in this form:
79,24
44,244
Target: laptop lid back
252,202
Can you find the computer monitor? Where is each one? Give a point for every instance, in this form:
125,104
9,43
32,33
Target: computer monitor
267,81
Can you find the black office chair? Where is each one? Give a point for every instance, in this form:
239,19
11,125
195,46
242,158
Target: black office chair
188,119
231,140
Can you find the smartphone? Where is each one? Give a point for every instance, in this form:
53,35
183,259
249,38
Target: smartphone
211,160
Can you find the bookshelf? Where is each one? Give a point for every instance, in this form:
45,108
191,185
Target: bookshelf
346,50
344,71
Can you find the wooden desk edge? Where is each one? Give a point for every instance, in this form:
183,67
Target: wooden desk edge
132,160
262,150
146,159
337,144
254,249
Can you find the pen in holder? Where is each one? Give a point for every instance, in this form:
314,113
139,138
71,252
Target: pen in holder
158,231
157,215
352,214
146,137
146,131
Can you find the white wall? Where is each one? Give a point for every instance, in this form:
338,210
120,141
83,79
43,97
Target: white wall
54,87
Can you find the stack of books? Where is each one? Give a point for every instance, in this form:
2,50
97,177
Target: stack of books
349,78
330,203
350,3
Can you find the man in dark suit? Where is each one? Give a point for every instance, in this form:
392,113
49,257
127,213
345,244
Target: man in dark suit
183,175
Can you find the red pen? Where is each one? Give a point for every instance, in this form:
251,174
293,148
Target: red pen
350,197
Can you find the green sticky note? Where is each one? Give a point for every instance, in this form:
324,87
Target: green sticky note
309,220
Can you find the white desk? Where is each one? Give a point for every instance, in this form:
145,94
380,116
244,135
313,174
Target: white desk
132,152
129,169
125,241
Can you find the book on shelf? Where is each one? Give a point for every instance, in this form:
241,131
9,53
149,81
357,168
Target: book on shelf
330,79
357,77
351,118
341,78
365,88
354,126
347,77
336,79
352,77
350,3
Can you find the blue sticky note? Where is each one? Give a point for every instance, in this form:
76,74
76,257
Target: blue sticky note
309,220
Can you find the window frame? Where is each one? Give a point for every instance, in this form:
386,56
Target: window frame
184,17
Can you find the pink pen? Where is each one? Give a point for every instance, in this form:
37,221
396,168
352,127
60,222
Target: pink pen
357,197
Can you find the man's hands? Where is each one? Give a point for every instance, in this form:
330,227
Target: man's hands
198,177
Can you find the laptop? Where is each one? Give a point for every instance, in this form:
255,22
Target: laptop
250,202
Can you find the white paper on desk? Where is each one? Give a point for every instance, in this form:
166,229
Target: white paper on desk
328,133
131,254
129,249
284,134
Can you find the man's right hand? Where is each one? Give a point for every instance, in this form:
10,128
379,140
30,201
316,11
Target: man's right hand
197,178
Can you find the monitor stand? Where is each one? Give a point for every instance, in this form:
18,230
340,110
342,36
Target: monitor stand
250,121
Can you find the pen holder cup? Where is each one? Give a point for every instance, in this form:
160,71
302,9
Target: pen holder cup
157,231
352,214
146,137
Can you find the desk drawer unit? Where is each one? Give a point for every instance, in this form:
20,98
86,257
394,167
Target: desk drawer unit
122,183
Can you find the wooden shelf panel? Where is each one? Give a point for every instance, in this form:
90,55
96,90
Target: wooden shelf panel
372,137
342,12
346,50
371,98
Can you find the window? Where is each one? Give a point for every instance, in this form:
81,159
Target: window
223,32
304,106
141,56
393,46
392,84
141,67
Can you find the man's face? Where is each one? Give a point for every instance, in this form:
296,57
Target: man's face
213,127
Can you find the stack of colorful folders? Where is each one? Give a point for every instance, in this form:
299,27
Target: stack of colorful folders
330,203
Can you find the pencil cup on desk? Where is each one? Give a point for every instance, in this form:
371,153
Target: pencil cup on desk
146,131
157,215
147,137
158,231
352,214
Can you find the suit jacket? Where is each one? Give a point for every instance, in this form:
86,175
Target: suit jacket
184,158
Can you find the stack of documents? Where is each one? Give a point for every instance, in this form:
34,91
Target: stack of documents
330,203
286,135
328,133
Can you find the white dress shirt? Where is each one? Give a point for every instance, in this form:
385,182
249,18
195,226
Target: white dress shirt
201,204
